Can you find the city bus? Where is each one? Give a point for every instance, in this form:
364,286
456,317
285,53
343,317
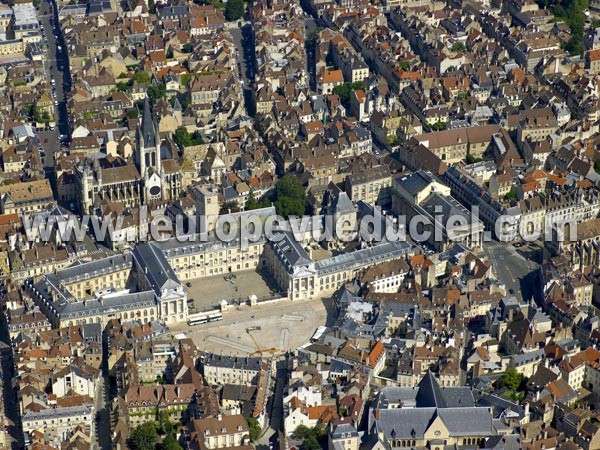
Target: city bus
214,317
198,320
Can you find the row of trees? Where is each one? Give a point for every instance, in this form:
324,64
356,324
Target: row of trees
571,12
37,114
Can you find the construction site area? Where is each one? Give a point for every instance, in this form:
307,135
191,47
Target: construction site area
265,329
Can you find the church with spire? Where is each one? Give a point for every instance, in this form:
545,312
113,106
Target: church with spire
147,155
152,175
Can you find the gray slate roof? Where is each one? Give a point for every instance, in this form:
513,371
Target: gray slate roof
157,270
148,129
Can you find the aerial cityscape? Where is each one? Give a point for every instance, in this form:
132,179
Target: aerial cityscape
300,224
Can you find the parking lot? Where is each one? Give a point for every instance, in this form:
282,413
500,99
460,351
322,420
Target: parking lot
265,329
206,293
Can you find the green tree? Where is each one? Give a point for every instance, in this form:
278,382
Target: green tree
255,429
141,77
512,379
311,436
143,437
151,7
597,166
459,47
43,116
290,197
571,12
343,91
392,140
234,10
156,92
183,138
512,194
251,202
169,54
187,48
310,443
170,443
185,79
472,159
438,126
228,207
122,86
132,113
302,431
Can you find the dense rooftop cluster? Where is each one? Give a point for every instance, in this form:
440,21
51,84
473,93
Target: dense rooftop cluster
363,115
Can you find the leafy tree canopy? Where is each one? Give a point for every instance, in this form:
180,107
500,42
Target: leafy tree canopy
234,10
290,197
143,437
311,437
343,91
512,194
156,92
255,429
170,443
183,138
512,379
141,77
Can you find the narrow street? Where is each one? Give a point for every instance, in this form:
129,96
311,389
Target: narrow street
101,427
244,43
275,407
310,27
56,64
11,405
101,432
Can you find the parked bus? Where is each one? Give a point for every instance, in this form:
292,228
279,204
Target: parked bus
214,317
197,321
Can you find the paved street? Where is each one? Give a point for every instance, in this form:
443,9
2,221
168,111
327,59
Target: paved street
57,68
11,405
243,39
310,27
512,269
275,407
101,428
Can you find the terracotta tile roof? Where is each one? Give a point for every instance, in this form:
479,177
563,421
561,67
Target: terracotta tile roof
376,353
332,76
